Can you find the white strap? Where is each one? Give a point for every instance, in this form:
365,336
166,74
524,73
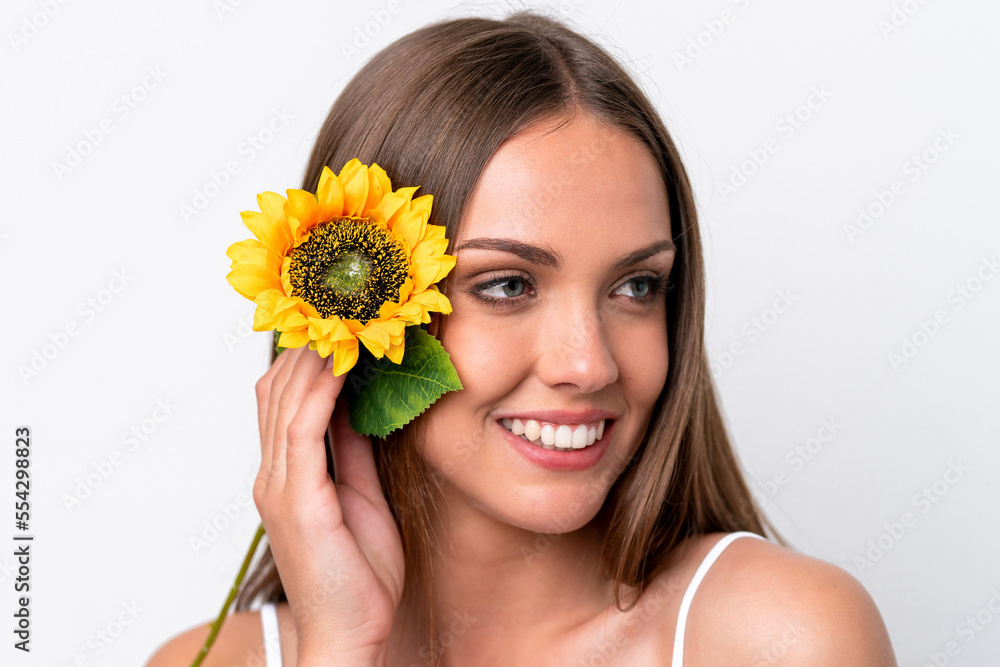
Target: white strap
272,636
678,657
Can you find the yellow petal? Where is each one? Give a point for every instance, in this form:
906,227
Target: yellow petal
422,203
433,300
262,319
378,186
355,182
424,271
345,356
395,353
253,251
273,233
293,338
429,248
324,346
252,279
394,329
302,211
306,308
268,298
272,204
291,320
375,338
352,165
433,232
283,304
410,226
250,250
332,328
330,196
405,290
263,316
445,264
411,313
407,195
376,217
387,310
391,205
286,277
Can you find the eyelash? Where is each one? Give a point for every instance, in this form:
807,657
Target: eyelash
658,284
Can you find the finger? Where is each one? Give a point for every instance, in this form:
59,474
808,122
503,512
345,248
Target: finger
354,458
302,370
263,391
305,453
281,369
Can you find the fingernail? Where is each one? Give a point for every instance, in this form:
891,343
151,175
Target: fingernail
329,362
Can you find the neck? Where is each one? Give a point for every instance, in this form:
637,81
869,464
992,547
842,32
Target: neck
491,580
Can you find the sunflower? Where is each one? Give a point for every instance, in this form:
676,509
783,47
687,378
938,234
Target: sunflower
354,262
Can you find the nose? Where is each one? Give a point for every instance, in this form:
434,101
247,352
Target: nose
575,351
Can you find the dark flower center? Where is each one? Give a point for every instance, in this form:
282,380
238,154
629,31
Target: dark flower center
348,267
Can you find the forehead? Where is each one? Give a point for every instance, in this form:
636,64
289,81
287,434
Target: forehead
584,178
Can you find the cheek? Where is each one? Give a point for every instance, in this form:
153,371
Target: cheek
643,359
488,356
485,357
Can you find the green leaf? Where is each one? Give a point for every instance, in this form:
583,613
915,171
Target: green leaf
384,396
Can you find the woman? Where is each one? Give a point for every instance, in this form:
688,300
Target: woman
564,507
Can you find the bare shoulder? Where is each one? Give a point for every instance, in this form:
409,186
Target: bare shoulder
762,603
239,638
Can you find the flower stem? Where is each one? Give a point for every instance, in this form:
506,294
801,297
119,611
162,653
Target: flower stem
217,624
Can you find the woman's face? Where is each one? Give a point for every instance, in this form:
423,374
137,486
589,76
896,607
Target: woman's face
558,330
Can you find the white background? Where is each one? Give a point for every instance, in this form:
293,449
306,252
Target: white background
176,332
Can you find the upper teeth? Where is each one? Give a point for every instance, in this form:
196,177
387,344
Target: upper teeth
555,436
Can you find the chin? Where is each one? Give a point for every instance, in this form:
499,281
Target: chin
551,509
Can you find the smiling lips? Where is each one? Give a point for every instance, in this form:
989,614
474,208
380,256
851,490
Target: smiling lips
561,437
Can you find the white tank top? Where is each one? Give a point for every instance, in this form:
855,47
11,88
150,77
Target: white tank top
272,637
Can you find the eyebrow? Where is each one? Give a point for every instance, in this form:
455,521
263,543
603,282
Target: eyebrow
546,257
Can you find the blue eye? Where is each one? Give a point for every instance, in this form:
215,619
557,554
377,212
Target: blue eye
502,288
512,289
640,287
513,286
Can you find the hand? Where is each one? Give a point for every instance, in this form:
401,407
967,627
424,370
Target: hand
336,546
